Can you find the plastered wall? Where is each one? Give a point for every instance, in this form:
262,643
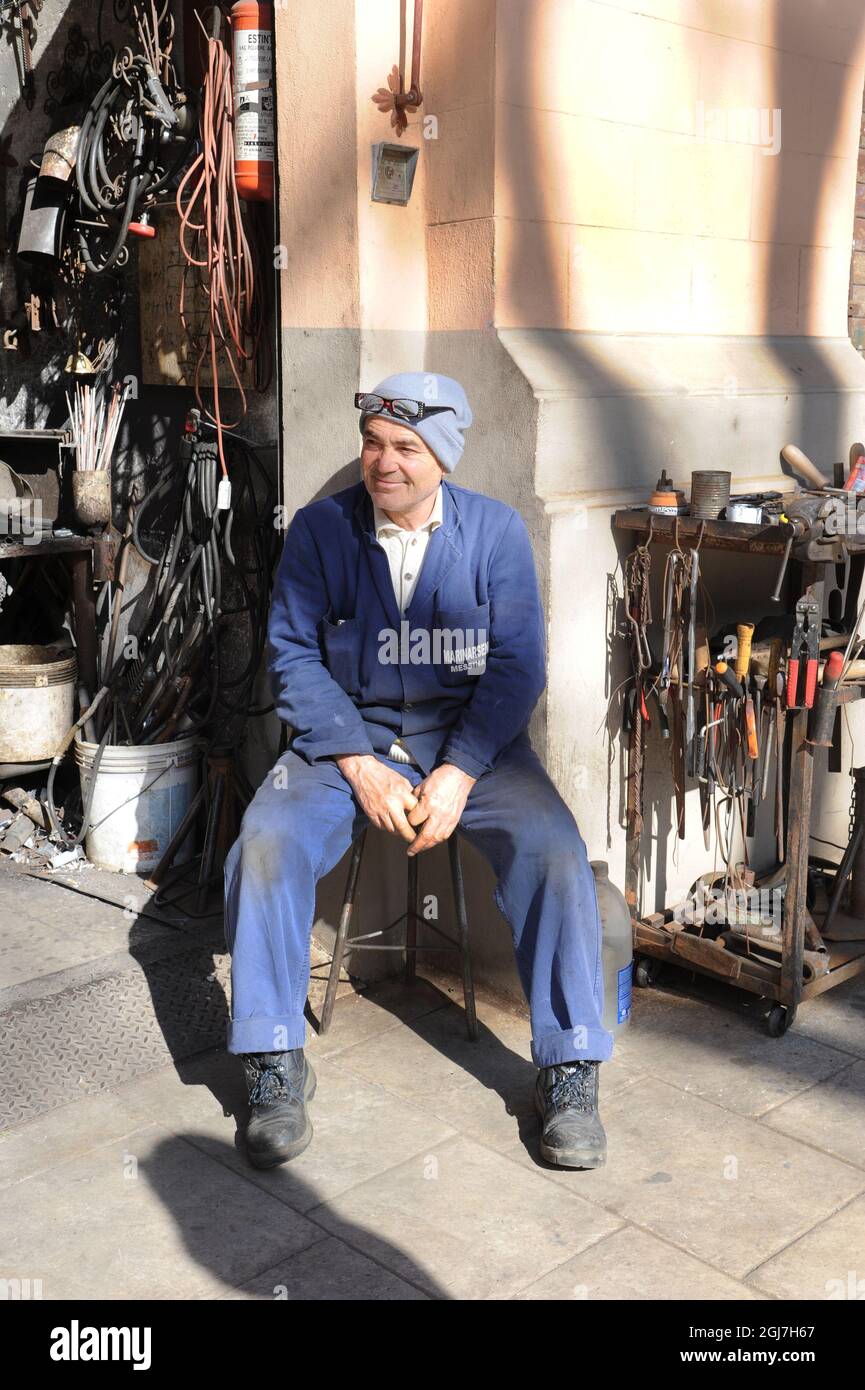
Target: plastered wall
630,238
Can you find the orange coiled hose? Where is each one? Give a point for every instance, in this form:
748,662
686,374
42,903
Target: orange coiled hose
214,243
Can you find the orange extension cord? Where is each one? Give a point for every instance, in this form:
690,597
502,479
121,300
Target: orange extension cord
213,240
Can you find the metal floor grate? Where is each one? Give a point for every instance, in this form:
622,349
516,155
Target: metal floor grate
92,1037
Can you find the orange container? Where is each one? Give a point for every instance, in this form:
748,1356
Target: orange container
252,81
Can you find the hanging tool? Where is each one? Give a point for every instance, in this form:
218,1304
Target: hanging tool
806,637
706,763
728,678
827,701
668,652
672,691
638,612
771,699
690,719
801,464
24,14
735,776
744,635
759,683
795,532
780,729
836,602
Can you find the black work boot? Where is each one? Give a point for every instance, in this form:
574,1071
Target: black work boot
280,1084
566,1097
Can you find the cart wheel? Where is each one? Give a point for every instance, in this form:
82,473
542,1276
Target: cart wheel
645,972
778,1021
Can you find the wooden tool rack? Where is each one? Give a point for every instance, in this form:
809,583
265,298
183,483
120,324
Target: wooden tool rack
661,936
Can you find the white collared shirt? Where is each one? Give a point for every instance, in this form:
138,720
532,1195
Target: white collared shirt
405,549
405,552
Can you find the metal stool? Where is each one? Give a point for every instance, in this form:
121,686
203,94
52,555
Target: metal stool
411,917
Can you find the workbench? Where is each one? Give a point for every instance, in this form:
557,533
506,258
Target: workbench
90,560
660,936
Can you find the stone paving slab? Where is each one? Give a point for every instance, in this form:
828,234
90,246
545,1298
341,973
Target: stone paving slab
836,1018
478,1225
31,948
83,1124
358,1017
720,1186
482,1112
827,1263
148,1217
432,1057
360,1129
89,900
327,1271
830,1116
721,1056
633,1264
735,1166
484,1090
106,888
47,928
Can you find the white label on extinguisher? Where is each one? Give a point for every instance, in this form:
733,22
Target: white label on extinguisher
253,94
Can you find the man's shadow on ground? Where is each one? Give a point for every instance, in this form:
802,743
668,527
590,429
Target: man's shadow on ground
268,1244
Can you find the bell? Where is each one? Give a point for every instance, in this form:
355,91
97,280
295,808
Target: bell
79,364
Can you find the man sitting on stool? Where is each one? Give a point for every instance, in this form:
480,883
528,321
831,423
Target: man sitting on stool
406,652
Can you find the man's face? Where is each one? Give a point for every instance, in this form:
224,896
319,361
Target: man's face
399,471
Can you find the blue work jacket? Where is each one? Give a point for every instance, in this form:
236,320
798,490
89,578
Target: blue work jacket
350,673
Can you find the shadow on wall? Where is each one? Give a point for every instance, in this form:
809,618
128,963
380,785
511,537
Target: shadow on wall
792,261
534,260
799,199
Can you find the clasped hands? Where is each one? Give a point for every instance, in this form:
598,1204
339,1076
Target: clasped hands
393,804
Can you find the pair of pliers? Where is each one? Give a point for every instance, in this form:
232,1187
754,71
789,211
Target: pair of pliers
806,638
629,708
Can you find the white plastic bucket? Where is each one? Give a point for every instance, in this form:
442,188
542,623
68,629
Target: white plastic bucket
141,795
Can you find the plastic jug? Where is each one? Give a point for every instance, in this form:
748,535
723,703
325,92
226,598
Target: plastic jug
618,948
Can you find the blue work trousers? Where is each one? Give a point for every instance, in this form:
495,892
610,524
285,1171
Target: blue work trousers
300,823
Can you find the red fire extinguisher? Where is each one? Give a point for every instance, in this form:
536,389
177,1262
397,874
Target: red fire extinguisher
252,80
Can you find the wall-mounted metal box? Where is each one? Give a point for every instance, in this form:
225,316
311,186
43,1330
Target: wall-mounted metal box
393,170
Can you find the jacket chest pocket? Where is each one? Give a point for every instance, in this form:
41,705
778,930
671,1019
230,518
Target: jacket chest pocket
461,640
342,643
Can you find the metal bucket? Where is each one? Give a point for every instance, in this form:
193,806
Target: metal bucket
91,497
37,697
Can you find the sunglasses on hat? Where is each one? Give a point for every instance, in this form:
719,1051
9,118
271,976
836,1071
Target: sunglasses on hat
401,409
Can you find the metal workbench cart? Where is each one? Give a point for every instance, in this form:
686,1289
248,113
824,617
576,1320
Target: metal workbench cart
801,963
